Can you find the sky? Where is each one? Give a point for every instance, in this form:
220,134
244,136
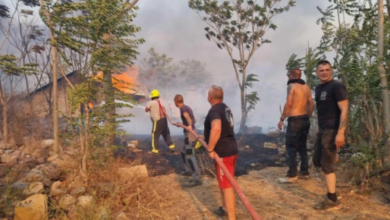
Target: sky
171,27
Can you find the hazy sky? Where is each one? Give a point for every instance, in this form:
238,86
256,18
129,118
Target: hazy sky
171,27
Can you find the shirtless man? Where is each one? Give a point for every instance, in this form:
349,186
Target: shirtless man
298,108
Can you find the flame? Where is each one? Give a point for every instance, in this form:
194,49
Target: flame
125,82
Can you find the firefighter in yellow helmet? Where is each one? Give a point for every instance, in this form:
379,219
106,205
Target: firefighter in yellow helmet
160,123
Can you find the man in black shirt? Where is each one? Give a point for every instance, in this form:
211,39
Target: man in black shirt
219,135
332,109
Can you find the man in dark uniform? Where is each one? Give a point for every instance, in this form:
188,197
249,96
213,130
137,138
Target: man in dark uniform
332,109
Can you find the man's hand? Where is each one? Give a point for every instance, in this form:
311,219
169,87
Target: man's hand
280,125
340,140
177,124
147,109
211,154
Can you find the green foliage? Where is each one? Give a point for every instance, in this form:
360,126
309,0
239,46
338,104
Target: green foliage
354,47
8,65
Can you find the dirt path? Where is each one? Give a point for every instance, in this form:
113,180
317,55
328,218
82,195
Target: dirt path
271,199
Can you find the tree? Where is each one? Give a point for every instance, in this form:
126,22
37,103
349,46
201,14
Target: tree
382,72
46,11
240,25
9,69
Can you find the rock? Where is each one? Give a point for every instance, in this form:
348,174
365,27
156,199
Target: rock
122,216
52,158
270,145
47,143
131,145
32,208
66,201
253,164
57,189
135,150
84,201
283,159
29,149
278,163
78,191
36,175
274,134
247,147
9,159
30,162
139,171
51,171
33,188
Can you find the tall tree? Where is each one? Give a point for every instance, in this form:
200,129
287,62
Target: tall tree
46,11
240,25
382,71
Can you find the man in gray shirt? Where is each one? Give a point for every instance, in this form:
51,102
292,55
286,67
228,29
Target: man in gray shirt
188,152
160,123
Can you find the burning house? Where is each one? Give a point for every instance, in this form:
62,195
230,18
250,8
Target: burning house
39,101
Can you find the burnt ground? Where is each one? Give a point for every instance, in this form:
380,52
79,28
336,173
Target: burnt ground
255,158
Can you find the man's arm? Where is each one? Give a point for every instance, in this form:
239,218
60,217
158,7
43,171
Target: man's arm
287,105
215,134
188,118
148,106
340,138
310,103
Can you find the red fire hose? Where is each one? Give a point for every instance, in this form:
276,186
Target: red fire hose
239,192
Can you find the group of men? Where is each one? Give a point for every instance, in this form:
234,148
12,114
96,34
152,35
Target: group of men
332,113
332,109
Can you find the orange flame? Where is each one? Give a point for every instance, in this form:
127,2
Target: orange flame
125,82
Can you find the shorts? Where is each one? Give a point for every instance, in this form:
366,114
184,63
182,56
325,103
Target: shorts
230,164
325,151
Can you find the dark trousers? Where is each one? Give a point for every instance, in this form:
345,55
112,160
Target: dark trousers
160,127
296,137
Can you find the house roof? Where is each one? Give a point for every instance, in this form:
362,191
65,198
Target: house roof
49,84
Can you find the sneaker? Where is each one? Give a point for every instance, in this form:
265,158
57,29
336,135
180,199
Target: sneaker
328,205
194,183
185,173
221,211
172,146
288,179
153,151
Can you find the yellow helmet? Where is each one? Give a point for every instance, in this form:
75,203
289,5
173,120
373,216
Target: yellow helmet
154,94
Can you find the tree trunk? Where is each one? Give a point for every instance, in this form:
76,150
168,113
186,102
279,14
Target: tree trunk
55,98
54,79
244,112
5,114
381,70
382,75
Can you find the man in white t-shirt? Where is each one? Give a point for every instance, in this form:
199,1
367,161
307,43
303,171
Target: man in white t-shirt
160,123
